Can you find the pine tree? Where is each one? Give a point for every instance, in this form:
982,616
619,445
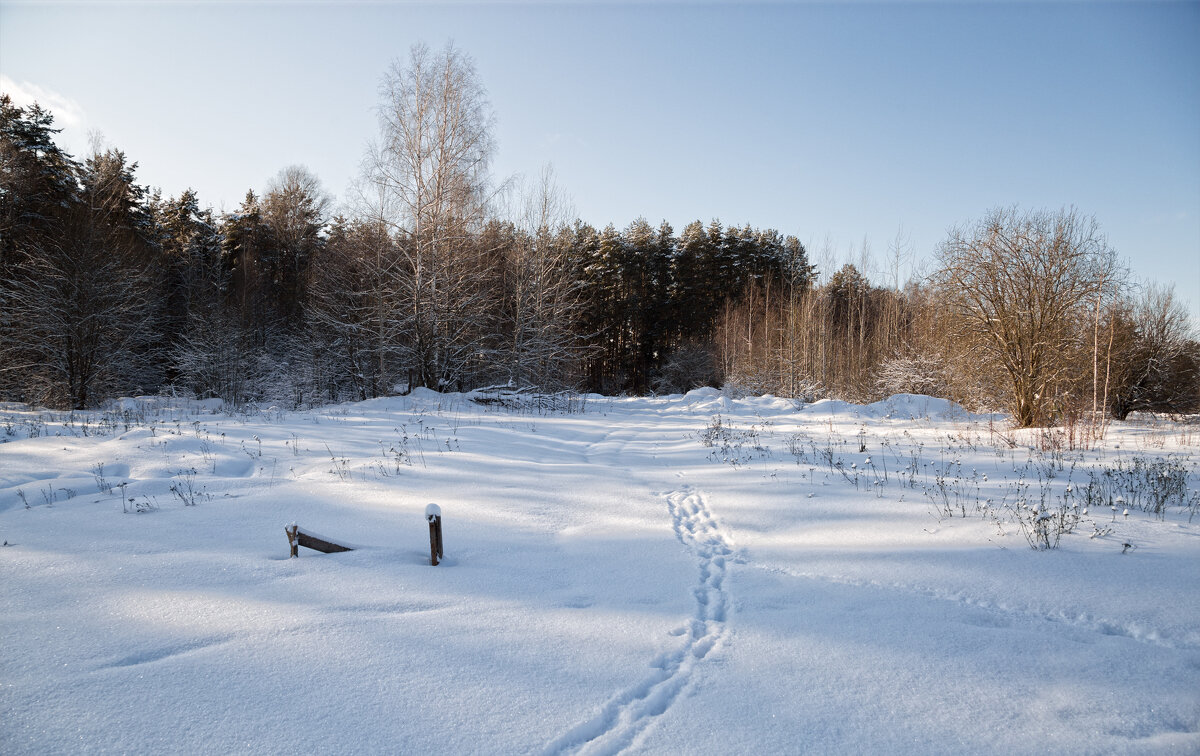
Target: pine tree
195,286
583,255
86,299
38,188
37,179
248,257
293,209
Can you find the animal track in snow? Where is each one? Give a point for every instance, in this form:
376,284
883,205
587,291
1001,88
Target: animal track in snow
989,614
628,713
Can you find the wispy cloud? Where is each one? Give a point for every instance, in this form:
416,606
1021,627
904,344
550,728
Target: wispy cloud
68,114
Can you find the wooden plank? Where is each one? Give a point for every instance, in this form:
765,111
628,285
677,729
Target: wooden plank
318,544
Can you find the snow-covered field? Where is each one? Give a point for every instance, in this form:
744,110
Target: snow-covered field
689,574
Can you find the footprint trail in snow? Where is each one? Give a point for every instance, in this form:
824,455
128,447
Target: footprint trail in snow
628,713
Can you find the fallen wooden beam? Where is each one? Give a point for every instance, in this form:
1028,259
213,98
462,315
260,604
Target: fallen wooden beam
298,538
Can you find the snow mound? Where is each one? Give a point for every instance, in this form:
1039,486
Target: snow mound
895,407
769,404
382,404
704,399
914,406
164,403
833,408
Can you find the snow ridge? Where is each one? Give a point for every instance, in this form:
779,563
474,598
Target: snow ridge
626,715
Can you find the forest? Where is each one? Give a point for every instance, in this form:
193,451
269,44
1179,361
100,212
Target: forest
434,274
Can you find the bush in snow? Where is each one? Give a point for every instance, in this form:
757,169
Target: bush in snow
691,365
912,375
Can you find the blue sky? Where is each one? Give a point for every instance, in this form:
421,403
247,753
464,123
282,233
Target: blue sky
833,122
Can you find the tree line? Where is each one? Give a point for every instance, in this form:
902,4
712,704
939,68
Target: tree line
108,289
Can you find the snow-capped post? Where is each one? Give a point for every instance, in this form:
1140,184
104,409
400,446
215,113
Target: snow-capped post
433,513
293,539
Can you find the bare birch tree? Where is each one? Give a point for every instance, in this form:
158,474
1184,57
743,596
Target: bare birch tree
431,169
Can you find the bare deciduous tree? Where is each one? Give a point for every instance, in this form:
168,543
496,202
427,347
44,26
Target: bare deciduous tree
431,172
1019,285
355,306
543,304
1155,357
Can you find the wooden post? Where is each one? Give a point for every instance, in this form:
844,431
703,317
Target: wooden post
293,540
433,514
435,537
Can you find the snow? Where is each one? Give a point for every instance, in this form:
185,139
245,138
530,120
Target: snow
610,583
